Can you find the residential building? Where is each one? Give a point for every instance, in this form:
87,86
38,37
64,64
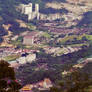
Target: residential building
28,10
30,38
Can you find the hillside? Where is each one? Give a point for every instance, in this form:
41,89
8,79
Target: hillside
87,20
60,38
9,12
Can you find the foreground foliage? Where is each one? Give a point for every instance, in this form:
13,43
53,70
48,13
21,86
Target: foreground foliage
8,81
77,81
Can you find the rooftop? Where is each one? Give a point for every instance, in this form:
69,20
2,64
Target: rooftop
31,34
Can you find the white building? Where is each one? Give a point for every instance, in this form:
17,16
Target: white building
28,59
28,10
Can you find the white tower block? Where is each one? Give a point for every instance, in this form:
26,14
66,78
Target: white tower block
38,16
28,9
22,8
37,10
29,16
32,15
30,5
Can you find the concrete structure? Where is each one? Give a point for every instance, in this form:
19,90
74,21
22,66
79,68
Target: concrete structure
22,60
30,38
30,58
28,10
51,16
37,10
36,7
27,59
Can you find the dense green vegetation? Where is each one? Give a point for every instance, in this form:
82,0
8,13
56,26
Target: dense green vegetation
55,65
76,81
8,14
7,78
87,20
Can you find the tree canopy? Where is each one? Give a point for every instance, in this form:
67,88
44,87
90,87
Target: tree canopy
77,81
8,81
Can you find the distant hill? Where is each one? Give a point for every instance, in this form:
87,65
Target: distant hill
8,12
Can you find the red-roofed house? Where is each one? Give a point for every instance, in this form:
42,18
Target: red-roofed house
46,83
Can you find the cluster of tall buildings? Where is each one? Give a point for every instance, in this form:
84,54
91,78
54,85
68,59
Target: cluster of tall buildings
32,11
28,10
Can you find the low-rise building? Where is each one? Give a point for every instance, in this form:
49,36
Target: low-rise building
30,58
42,85
30,38
27,59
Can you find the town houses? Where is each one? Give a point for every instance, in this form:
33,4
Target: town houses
26,58
10,51
17,57
45,84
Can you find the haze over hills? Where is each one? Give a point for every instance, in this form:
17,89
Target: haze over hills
73,13
9,12
43,38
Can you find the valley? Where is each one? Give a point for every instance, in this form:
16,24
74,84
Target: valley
44,41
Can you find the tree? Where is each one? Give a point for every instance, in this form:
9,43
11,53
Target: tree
8,81
77,81
86,20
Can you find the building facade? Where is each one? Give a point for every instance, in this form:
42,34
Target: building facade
28,10
31,38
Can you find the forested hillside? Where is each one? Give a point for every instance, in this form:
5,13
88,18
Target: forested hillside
87,20
9,12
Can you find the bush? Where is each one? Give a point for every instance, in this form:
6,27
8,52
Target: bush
7,78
